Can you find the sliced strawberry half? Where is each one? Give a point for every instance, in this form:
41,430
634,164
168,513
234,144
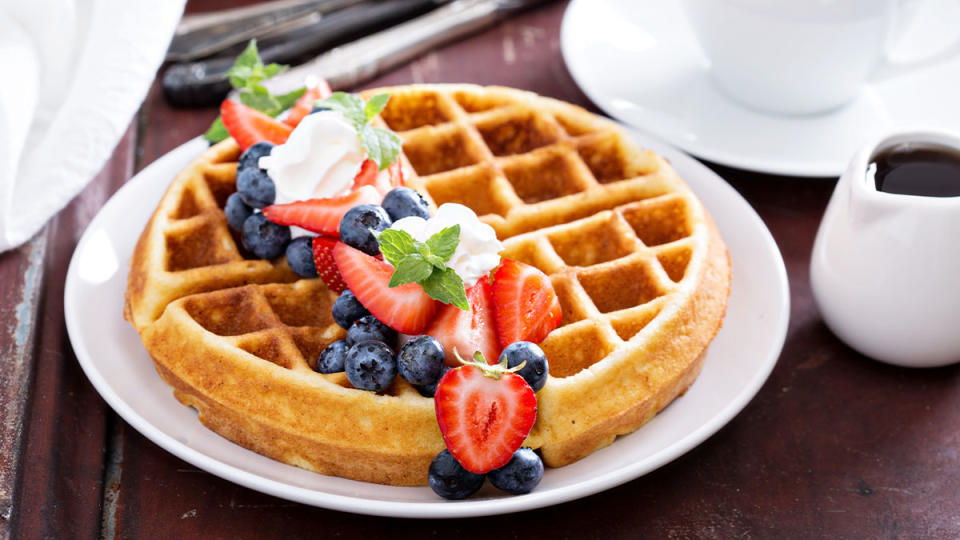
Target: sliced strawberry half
326,265
406,308
304,105
249,126
321,216
527,305
383,181
367,176
396,175
468,331
484,416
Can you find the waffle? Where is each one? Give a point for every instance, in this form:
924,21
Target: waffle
640,270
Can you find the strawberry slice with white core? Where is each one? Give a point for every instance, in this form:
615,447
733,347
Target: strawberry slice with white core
326,267
383,181
406,309
484,412
304,105
321,216
468,331
249,126
527,305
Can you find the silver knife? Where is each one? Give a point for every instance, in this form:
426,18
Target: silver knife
351,64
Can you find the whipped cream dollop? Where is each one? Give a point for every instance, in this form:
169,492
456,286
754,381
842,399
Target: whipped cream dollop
478,251
320,159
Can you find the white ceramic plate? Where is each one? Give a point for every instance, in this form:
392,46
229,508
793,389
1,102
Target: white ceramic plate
738,362
639,61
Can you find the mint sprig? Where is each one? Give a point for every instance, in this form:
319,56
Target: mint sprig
246,76
248,70
382,145
425,263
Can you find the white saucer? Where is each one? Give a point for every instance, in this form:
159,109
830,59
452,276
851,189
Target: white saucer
109,350
639,62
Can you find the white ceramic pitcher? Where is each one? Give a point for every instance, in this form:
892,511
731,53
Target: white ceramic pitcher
885,269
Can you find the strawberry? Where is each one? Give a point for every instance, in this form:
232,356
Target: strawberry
468,331
384,180
326,266
304,105
367,175
249,126
527,305
396,175
321,216
485,412
406,308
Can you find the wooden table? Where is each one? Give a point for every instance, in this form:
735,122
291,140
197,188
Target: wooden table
833,445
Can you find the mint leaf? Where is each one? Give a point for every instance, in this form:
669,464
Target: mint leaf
217,131
262,102
246,76
396,245
248,70
375,106
290,98
350,105
424,263
258,88
411,269
383,145
272,69
444,243
447,287
249,58
428,255
437,262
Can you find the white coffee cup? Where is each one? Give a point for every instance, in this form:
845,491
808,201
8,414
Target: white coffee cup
885,269
799,57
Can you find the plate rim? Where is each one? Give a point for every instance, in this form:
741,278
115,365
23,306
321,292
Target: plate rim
440,508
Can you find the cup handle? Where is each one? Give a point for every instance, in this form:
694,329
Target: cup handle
888,68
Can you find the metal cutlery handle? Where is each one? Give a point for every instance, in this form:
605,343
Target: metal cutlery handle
351,64
204,82
194,22
208,33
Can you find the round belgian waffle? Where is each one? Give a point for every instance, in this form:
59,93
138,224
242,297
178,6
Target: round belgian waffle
640,270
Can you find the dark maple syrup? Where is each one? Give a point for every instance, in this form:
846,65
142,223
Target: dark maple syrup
928,170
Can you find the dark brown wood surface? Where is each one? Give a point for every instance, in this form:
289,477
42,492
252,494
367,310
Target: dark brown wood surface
833,445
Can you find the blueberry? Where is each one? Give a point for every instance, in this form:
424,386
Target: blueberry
300,257
535,370
428,390
403,202
450,480
348,309
237,212
317,108
520,475
331,359
370,365
264,239
250,159
358,224
420,360
369,328
255,187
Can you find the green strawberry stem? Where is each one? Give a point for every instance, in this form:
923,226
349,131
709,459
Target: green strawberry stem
494,371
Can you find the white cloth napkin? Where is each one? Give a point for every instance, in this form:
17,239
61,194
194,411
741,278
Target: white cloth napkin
74,73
